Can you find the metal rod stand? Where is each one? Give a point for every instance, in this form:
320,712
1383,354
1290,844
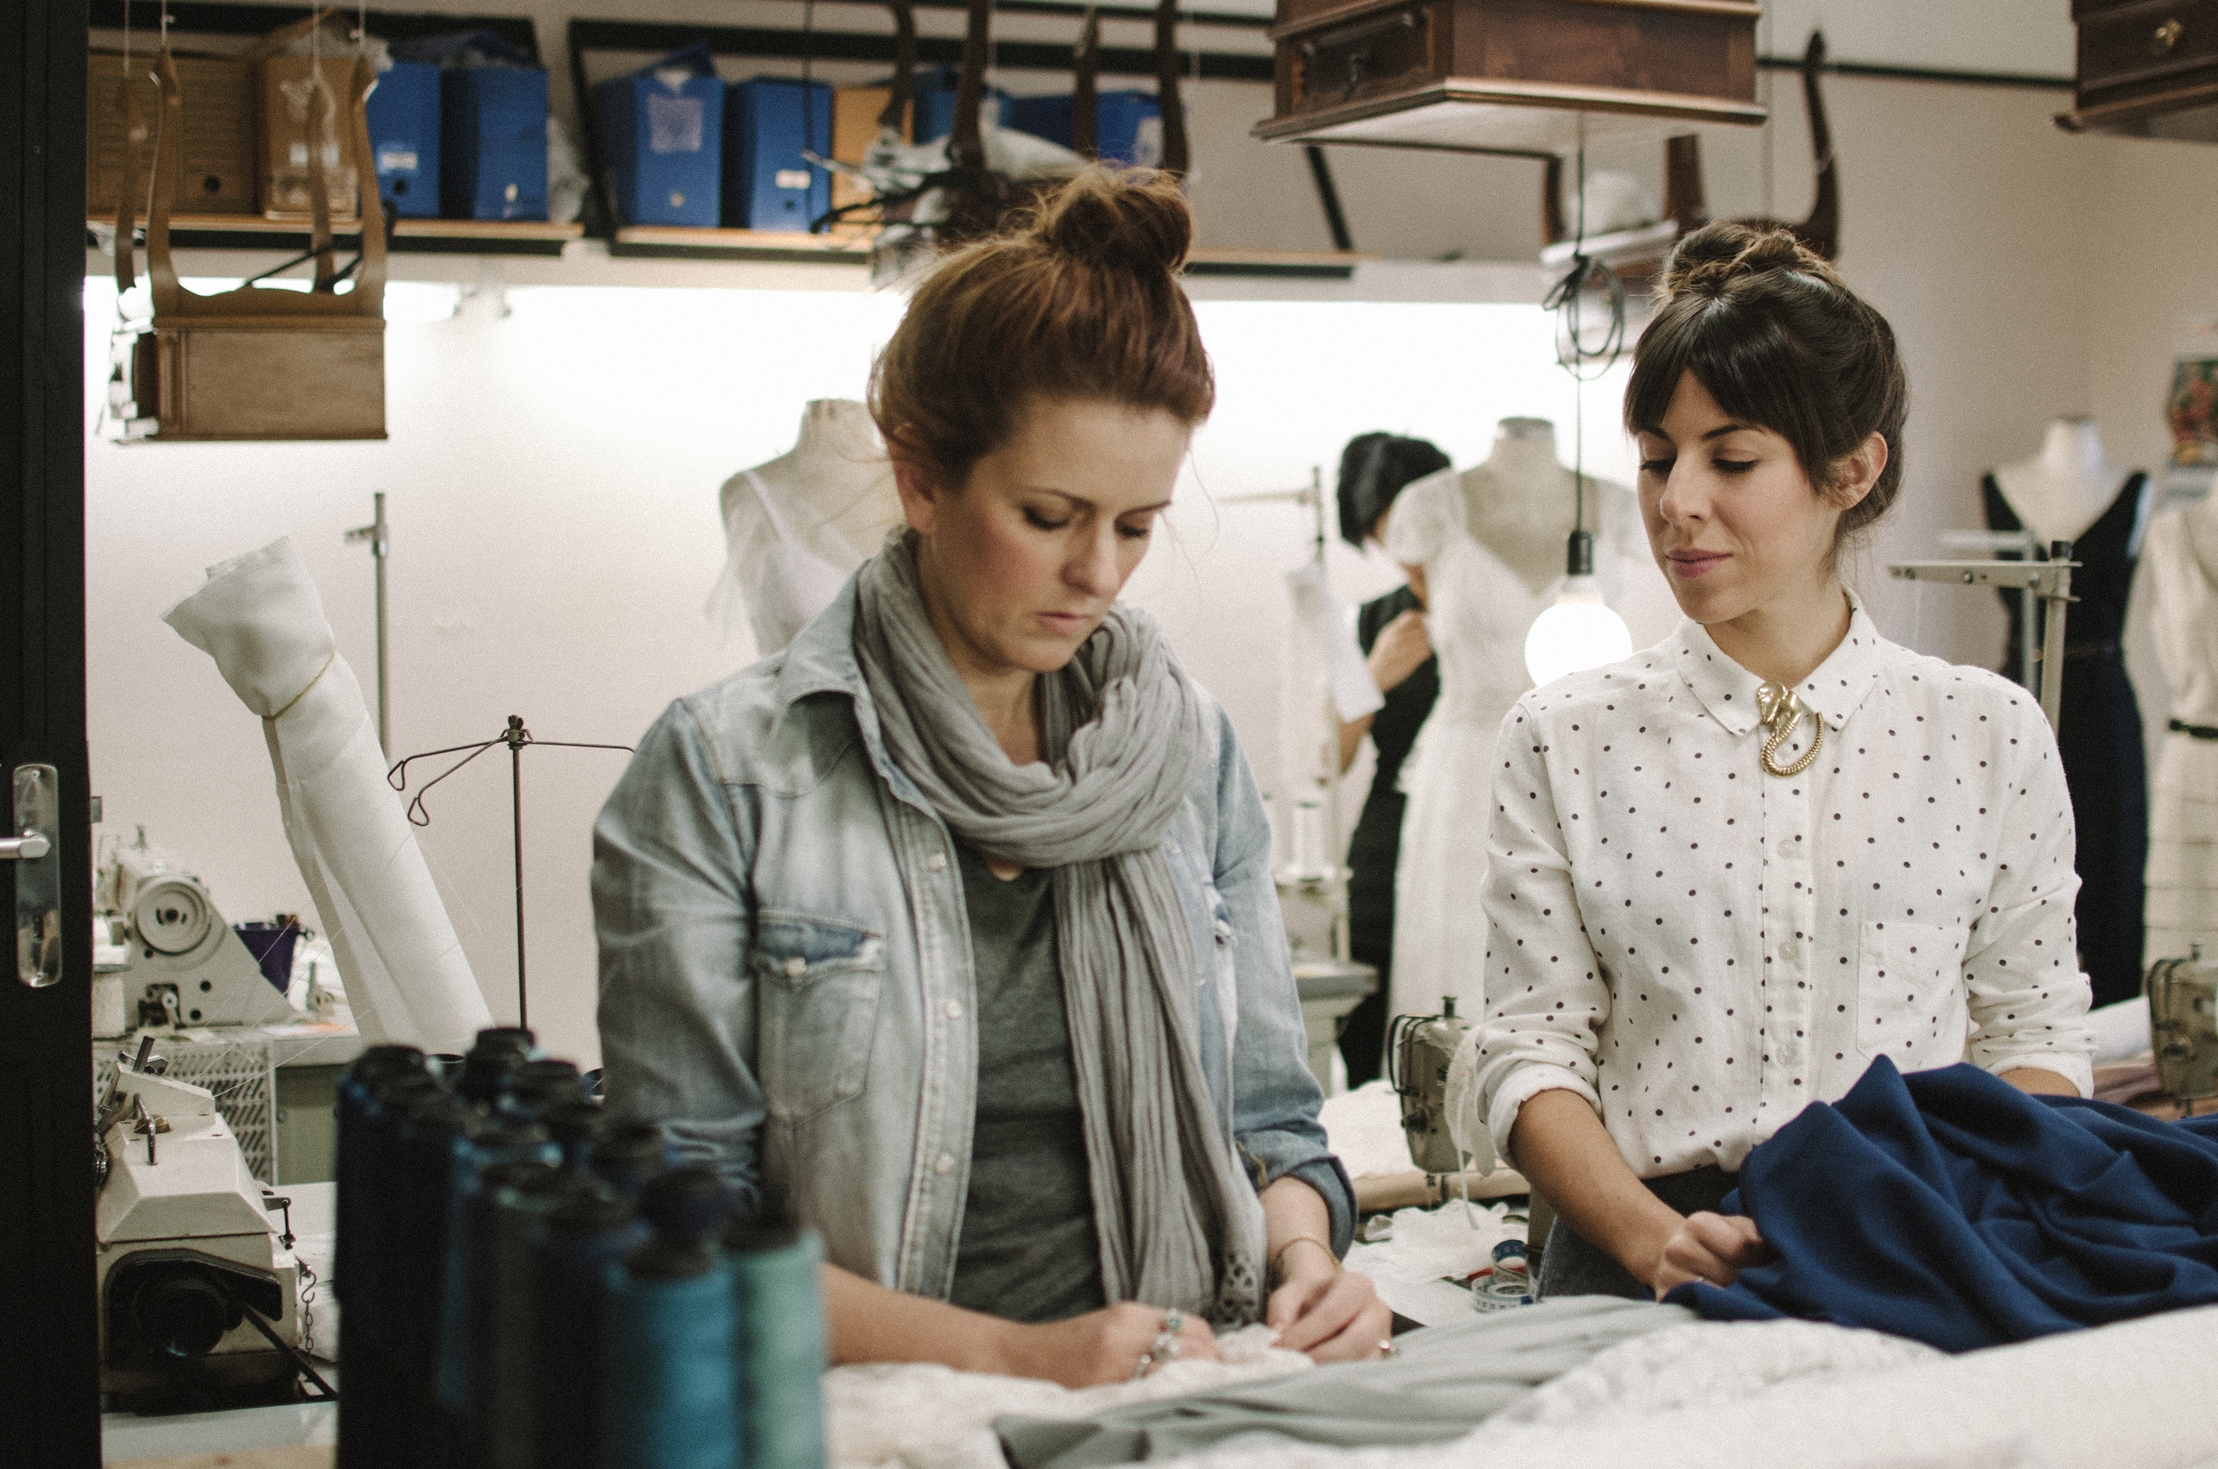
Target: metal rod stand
2049,582
380,548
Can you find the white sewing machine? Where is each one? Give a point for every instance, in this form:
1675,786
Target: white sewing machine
163,955
199,1293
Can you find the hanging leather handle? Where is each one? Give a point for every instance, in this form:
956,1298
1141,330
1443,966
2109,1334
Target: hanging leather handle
161,270
369,281
1175,155
127,194
895,118
1084,92
966,144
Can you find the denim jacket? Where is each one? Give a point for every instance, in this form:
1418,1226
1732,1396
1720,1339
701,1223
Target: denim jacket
786,981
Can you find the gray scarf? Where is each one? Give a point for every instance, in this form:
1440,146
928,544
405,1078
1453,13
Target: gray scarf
1125,736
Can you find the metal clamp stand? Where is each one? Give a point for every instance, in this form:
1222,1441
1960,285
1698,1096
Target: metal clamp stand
516,737
2049,582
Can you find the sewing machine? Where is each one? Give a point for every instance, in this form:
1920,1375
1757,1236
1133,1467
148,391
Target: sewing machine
2183,1024
1418,1051
163,955
199,1294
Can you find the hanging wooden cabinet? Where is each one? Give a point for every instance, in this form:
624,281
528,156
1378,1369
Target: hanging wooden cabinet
1522,77
2147,68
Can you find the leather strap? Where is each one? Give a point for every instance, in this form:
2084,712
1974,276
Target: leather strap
2196,731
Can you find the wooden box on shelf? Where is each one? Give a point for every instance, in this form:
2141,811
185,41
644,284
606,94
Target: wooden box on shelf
216,154
2147,68
1525,77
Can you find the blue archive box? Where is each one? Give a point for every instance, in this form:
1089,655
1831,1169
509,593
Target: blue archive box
662,133
403,114
934,109
1128,126
769,123
492,125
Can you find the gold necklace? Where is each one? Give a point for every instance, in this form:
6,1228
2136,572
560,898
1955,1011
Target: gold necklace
1781,711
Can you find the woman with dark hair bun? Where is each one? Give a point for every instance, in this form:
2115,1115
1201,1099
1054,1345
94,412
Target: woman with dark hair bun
1374,469
950,930
1728,873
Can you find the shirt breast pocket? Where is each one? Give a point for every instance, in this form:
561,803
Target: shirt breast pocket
1910,994
816,1006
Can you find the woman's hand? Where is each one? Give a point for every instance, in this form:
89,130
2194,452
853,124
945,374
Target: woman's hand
1101,1346
1713,1248
1332,1314
1400,649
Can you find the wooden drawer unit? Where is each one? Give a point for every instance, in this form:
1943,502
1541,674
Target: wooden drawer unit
2147,68
1507,76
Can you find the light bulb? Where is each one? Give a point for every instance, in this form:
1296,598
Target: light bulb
1578,632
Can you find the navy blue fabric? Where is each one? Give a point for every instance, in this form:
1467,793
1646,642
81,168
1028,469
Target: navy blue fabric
1951,1207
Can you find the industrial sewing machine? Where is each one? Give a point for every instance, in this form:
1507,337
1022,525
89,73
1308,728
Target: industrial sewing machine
199,1294
1417,1055
163,955
2183,1025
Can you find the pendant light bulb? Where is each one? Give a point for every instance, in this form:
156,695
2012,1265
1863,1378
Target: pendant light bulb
1579,631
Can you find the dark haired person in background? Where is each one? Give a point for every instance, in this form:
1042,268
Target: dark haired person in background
1373,470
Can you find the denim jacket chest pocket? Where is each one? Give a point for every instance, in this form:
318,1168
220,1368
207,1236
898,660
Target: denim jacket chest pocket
817,982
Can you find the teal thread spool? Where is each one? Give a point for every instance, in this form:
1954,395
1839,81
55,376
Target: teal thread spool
506,1364
781,1343
670,1347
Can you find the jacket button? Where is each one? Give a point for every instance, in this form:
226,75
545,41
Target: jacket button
796,967
944,1163
937,862
954,1009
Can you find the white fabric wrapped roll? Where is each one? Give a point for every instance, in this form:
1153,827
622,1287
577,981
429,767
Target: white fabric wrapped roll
259,617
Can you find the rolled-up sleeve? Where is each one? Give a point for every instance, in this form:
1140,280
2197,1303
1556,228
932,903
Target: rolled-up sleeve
1546,996
673,921
1275,1098
2027,997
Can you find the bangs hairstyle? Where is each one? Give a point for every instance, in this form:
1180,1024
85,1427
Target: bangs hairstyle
1081,303
1782,344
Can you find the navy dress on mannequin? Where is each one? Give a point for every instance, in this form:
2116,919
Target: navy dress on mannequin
2099,735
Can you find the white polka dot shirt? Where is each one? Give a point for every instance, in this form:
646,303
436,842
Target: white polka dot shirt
1701,949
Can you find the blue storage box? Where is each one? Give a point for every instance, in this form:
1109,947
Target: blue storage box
1128,126
933,112
662,134
492,125
403,114
769,124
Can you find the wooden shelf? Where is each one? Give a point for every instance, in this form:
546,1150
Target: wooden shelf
679,242
1315,265
410,236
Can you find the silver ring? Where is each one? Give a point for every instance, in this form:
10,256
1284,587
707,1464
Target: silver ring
1140,1368
1388,1349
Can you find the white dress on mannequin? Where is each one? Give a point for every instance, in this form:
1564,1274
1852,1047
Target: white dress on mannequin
2180,556
800,524
1491,543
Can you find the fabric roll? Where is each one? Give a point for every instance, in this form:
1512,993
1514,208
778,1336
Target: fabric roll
1443,1382
407,979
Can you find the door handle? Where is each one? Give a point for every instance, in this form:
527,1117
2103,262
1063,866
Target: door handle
38,875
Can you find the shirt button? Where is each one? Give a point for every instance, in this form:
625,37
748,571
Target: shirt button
944,1163
937,862
954,1009
796,967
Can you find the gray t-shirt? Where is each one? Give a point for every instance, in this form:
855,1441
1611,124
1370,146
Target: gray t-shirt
1028,1251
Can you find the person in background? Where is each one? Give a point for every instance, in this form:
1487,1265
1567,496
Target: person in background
1373,469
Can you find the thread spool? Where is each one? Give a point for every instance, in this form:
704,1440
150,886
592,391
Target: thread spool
588,1233
468,1250
781,1344
492,1066
627,1154
413,1226
574,1125
370,1092
670,1350
505,1357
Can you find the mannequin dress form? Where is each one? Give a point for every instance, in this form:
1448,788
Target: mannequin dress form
1488,544
2073,492
800,524
2181,561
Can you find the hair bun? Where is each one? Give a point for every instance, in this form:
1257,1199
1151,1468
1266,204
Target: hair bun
1136,220
1714,256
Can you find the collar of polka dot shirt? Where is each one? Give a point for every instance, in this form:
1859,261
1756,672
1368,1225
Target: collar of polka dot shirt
1833,691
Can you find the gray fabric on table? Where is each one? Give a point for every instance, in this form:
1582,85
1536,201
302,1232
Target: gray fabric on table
1569,1266
1445,1382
